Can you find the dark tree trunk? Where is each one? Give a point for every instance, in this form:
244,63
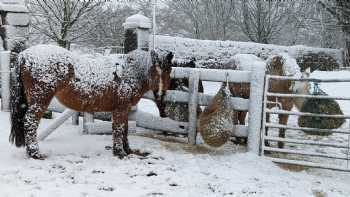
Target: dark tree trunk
64,44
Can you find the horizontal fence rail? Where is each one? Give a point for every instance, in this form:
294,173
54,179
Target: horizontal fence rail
308,153
307,96
215,75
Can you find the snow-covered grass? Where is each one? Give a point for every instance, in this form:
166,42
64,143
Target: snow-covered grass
80,165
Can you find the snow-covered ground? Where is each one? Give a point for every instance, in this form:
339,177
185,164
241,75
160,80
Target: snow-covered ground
80,165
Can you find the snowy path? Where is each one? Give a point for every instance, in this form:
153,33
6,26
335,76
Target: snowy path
81,166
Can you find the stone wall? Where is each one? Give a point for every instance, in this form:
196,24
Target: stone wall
14,25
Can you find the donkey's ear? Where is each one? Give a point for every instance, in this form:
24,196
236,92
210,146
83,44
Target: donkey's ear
154,57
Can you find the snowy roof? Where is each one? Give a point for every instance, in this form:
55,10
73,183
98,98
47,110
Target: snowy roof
215,52
137,20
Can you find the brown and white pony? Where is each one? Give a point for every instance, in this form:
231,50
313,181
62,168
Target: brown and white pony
274,67
45,71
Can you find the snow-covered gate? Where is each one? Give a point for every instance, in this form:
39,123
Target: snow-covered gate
195,99
332,152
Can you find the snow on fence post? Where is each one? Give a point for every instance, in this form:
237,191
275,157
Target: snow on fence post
87,119
255,109
5,80
192,107
55,124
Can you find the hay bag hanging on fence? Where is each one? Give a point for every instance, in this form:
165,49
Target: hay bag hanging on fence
320,106
215,122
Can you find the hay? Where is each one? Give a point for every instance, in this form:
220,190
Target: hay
321,106
215,122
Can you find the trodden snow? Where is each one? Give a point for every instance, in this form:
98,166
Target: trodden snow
80,165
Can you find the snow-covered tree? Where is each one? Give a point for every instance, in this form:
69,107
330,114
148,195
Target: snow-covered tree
340,9
263,20
204,19
64,21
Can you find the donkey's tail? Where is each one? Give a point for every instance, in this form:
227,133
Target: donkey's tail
18,106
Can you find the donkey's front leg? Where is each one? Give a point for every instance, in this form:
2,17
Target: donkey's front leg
120,132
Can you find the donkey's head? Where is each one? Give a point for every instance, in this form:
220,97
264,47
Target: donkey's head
160,77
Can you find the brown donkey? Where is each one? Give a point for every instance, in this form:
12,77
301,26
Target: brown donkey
45,71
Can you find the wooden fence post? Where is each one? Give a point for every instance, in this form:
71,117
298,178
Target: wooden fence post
5,80
87,119
192,107
255,109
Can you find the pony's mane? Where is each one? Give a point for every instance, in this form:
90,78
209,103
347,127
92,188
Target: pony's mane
290,66
138,63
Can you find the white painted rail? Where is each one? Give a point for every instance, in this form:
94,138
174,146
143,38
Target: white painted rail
43,134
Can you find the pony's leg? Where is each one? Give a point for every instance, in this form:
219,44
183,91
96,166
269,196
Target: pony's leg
121,147
241,117
119,125
287,105
31,122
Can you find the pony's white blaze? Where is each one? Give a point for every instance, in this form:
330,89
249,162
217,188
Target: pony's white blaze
160,87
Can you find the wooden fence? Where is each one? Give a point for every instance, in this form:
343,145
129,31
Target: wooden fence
195,99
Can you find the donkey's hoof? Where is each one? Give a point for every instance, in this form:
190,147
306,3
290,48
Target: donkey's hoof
120,153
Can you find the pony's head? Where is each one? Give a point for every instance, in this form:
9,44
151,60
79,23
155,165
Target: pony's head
160,77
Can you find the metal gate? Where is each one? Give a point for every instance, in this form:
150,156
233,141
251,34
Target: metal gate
327,152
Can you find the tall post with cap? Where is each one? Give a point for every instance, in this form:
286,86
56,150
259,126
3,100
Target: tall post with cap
137,32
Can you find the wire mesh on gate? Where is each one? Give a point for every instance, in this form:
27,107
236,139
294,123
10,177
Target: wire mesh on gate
301,148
